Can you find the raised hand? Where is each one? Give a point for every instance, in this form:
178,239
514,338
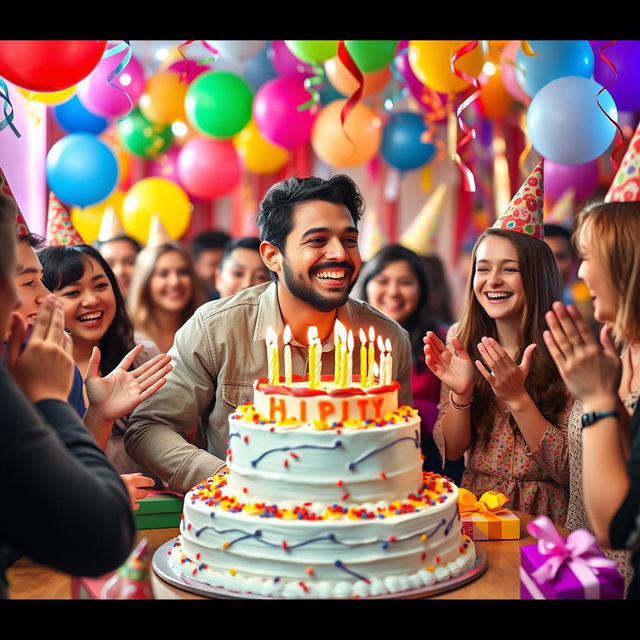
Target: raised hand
590,370
138,487
454,369
120,392
504,375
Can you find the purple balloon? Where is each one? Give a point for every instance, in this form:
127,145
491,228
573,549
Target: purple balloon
625,56
275,109
416,88
191,67
583,178
97,95
165,166
285,63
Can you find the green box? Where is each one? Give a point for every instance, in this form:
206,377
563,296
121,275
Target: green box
158,512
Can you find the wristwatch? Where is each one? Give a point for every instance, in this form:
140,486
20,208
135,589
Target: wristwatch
593,416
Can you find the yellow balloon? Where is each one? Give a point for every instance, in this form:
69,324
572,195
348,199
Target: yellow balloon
257,153
430,60
87,221
332,146
163,99
155,196
50,97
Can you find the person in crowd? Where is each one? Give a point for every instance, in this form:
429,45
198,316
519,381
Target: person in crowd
207,249
440,293
120,252
241,267
395,282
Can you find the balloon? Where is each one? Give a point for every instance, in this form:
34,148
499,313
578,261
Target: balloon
285,63
97,95
257,153
416,88
50,97
313,50
565,123
558,178
155,196
401,142
73,117
142,137
165,166
495,101
625,56
48,65
81,169
163,99
275,110
557,59
371,55
209,168
258,69
431,62
340,77
238,49
331,144
87,221
218,103
190,68
509,80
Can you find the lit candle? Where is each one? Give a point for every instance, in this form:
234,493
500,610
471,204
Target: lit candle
312,334
318,376
371,356
383,359
272,357
389,376
337,341
288,369
363,359
349,368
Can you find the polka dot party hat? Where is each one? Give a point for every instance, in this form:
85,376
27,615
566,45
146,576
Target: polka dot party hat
21,224
524,213
626,185
60,230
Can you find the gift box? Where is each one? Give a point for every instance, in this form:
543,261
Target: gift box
487,519
159,510
571,569
89,588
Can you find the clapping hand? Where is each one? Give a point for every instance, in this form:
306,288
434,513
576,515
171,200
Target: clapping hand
454,369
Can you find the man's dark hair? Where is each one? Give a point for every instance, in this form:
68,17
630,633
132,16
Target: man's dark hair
240,243
558,231
275,219
98,244
209,240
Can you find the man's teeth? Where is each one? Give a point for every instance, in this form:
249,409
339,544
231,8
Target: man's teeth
90,316
497,296
334,275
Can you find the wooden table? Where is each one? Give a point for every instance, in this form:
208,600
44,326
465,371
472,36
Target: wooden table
501,580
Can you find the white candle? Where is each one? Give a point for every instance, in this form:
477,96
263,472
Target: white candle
349,372
337,342
389,377
383,358
288,369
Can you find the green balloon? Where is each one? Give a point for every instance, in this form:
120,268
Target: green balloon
313,50
371,55
143,137
219,104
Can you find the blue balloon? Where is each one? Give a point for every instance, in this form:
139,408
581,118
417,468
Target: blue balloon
565,123
556,59
74,117
81,170
258,69
401,146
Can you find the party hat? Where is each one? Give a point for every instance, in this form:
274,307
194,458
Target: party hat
562,211
626,185
131,581
60,230
110,225
420,235
372,238
157,233
21,224
525,211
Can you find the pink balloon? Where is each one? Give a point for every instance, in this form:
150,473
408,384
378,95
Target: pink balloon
208,168
165,166
192,68
285,63
275,109
508,75
583,178
97,95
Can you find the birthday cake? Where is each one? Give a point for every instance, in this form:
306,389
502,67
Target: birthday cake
324,497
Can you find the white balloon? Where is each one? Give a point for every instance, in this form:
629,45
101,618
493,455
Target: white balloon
238,49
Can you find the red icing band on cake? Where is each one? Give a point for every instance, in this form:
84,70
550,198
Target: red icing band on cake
262,384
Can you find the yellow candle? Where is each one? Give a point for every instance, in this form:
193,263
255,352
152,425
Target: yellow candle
349,357
343,365
363,359
313,356
337,341
272,356
371,356
288,369
318,349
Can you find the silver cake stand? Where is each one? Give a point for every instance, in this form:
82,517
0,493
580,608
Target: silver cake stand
168,576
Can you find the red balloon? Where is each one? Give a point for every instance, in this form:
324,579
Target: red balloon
49,65
208,168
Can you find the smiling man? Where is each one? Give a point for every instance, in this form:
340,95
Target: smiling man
309,233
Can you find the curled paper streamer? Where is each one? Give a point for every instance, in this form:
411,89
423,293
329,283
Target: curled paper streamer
310,85
116,72
389,102
214,51
7,109
470,132
619,138
526,47
32,112
185,71
431,98
348,61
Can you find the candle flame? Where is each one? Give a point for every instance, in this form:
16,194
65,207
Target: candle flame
372,334
312,333
339,332
286,336
387,344
363,336
270,336
380,344
350,341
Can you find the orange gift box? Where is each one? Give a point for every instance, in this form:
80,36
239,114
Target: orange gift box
487,519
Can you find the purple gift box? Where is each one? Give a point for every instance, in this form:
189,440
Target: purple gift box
571,569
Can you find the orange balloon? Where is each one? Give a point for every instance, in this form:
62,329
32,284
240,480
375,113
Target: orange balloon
496,102
110,138
163,99
332,146
342,80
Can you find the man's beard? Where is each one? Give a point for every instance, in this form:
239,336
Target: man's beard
309,295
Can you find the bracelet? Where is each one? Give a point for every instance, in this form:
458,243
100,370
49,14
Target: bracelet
459,407
594,416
